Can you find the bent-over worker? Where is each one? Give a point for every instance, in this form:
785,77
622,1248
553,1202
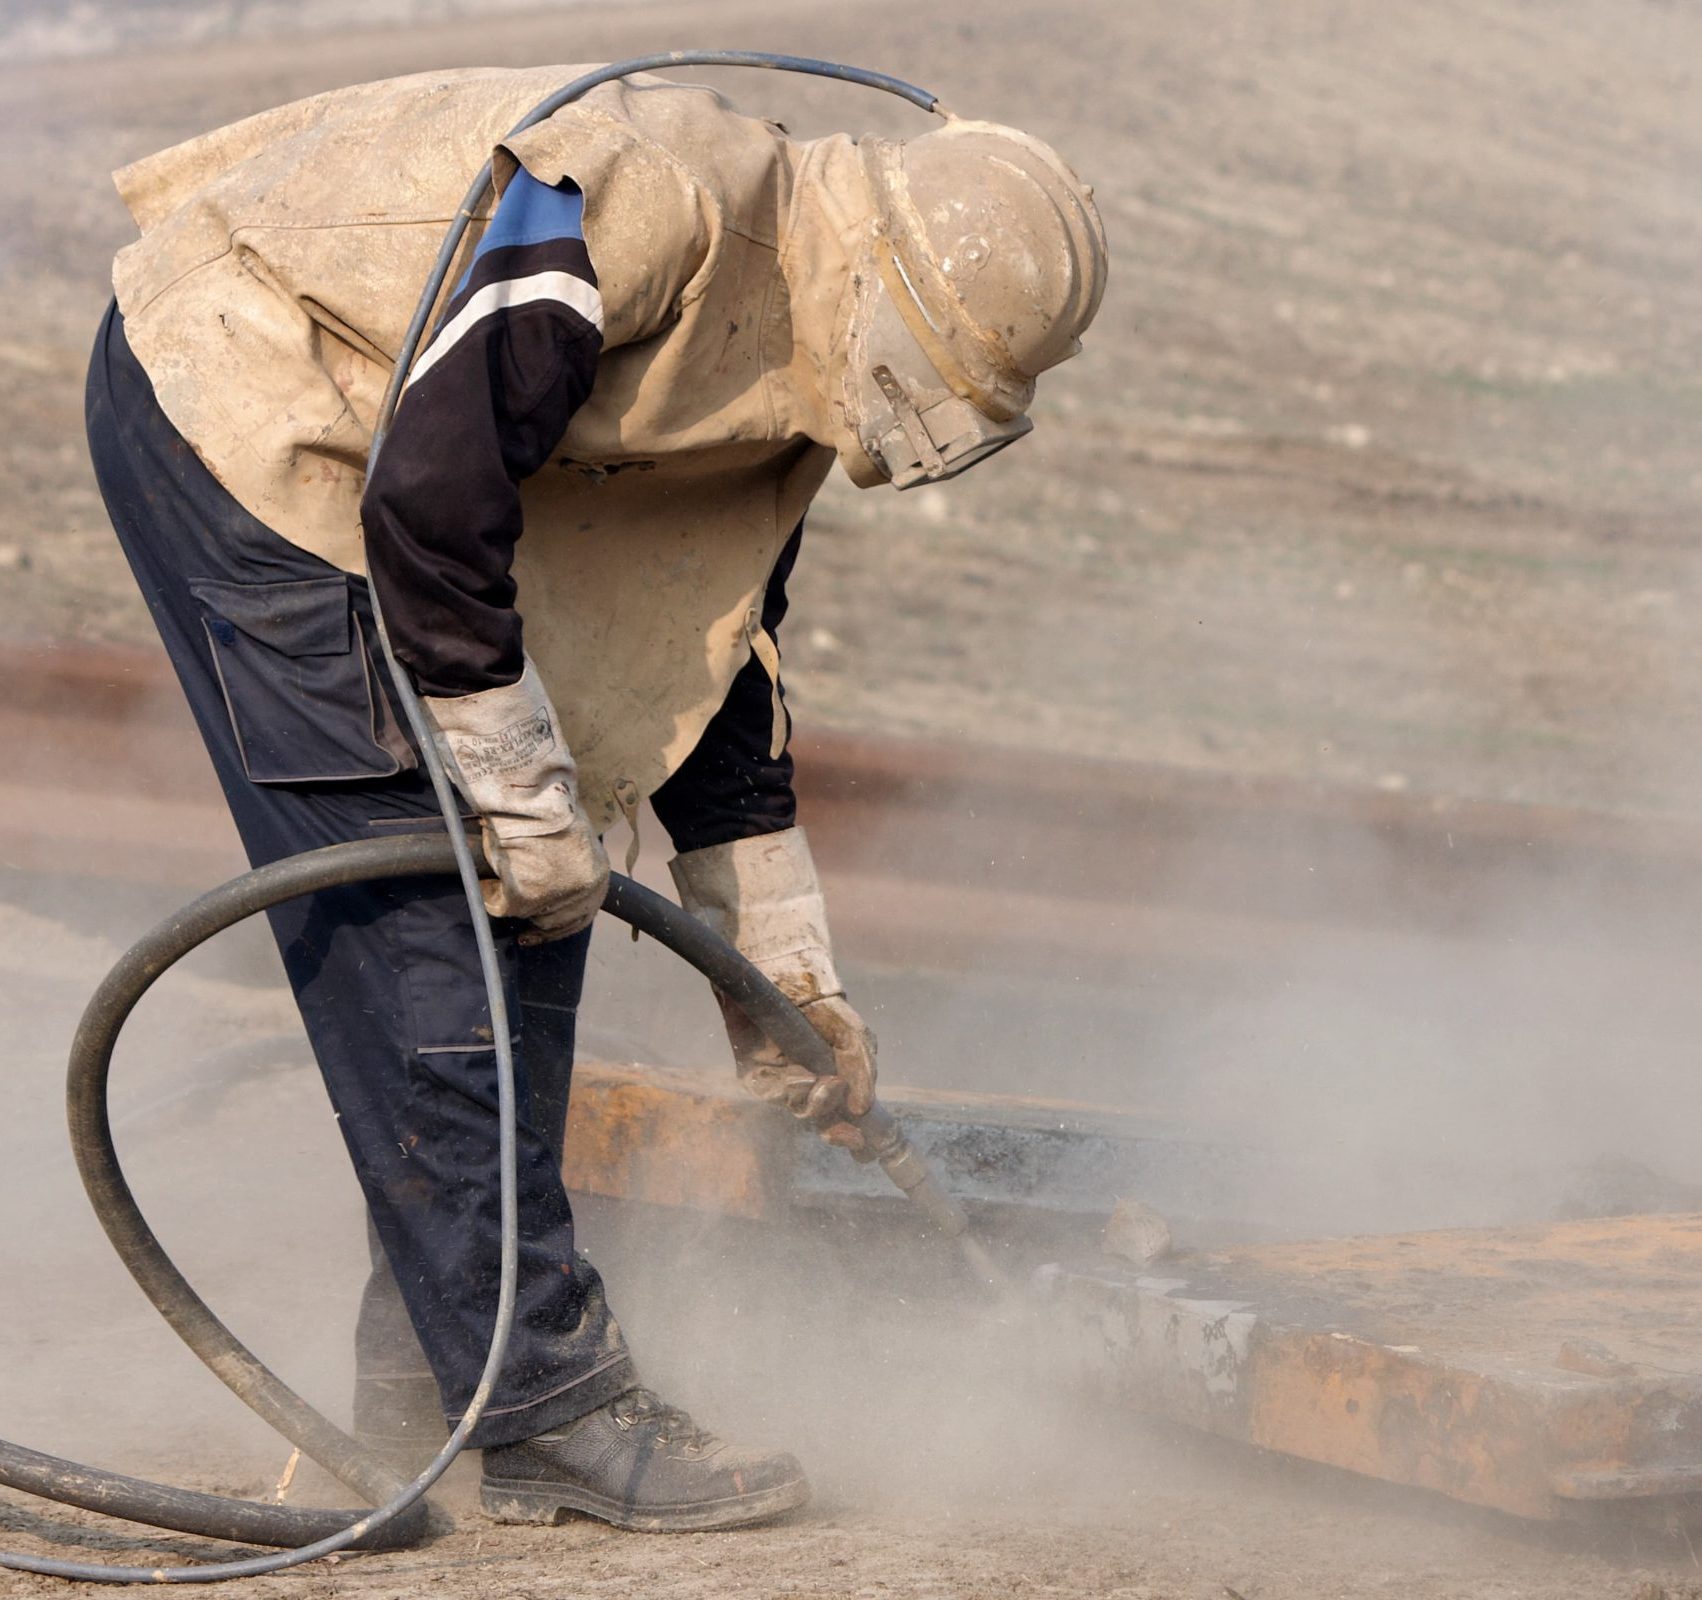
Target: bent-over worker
664,330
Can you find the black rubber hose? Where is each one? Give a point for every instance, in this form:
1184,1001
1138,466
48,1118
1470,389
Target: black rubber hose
110,1194
165,1286
792,1034
160,1505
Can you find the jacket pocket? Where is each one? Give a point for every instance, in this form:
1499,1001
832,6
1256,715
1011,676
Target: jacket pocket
299,682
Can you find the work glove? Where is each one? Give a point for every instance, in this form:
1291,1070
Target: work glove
504,751
762,896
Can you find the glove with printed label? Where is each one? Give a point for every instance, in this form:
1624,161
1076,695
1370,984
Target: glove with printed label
505,752
763,897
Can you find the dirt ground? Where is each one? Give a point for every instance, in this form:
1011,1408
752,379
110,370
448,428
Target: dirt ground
953,1456
1380,469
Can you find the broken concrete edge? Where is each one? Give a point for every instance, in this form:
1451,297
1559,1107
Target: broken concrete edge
1535,1444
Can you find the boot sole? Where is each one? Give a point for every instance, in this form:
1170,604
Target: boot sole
525,1500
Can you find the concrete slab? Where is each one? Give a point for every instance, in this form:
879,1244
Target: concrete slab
1540,1371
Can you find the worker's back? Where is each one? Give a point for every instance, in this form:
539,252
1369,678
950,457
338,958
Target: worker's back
280,262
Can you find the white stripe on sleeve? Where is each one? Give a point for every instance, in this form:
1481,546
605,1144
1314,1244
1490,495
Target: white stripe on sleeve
570,291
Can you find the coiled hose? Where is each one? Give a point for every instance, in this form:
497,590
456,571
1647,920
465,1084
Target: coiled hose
400,1516
237,1367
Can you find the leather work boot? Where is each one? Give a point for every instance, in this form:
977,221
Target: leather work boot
639,1464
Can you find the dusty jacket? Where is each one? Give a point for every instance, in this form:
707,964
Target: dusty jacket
281,258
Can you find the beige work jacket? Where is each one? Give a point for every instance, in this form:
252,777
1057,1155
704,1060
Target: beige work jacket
281,258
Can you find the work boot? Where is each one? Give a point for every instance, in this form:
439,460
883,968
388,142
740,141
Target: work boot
639,1464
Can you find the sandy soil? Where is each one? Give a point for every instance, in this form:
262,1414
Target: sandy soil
1377,471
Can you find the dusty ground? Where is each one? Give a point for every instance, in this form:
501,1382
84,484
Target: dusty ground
952,1458
1379,470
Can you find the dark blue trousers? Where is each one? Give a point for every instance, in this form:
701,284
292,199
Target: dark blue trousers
276,653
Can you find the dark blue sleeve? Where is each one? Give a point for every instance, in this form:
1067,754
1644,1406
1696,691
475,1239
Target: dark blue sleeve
513,357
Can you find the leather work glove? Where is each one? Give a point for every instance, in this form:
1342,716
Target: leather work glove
762,896
505,752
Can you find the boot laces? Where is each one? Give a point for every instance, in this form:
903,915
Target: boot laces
641,1407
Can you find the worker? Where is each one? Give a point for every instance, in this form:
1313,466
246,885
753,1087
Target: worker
669,320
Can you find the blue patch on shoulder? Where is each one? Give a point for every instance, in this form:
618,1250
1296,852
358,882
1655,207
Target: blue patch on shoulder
531,213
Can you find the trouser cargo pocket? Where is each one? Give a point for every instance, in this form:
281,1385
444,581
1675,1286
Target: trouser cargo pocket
300,682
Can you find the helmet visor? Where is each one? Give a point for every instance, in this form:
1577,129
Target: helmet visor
911,425
955,437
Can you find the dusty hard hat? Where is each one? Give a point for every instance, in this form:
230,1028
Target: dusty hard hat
986,262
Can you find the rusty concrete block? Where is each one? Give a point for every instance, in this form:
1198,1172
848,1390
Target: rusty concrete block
1449,1361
